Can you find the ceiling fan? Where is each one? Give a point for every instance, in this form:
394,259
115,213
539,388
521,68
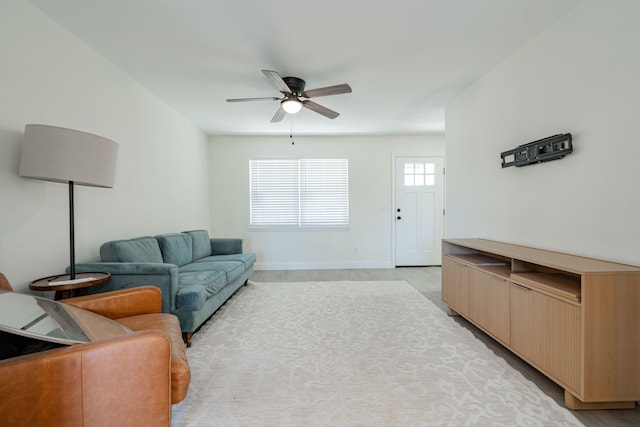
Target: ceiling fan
294,96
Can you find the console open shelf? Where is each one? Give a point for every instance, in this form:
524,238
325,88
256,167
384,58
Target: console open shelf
558,285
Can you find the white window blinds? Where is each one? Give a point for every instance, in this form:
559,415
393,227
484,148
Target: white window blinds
303,193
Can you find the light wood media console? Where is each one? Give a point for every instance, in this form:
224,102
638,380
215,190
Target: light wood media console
575,319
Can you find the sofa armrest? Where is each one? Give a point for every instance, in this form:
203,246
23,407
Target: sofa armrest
116,268
122,303
222,246
128,275
123,381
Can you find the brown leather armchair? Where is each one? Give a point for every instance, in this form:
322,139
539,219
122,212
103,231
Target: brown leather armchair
130,380
140,309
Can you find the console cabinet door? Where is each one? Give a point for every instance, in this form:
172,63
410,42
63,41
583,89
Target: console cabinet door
489,304
455,285
546,332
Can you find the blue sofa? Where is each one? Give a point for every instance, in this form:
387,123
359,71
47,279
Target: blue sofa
195,273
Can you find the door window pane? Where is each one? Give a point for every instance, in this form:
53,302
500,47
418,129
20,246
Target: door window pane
419,174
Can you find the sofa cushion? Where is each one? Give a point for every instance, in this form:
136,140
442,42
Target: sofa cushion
232,269
176,248
197,286
201,243
141,249
248,259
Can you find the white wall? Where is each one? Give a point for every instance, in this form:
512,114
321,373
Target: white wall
370,181
48,76
580,76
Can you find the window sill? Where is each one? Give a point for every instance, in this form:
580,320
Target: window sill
290,229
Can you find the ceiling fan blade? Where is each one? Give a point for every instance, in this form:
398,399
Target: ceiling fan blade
329,90
277,81
320,109
278,115
269,98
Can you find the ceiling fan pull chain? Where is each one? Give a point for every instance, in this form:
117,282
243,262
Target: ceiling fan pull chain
291,129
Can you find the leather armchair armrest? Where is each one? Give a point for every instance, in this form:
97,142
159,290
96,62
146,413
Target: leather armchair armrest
122,303
123,381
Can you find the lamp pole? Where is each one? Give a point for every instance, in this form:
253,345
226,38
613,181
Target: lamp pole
72,239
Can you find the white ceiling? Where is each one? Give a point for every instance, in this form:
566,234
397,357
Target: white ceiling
404,59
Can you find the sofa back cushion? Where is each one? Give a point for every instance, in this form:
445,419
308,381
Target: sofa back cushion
176,248
140,249
201,243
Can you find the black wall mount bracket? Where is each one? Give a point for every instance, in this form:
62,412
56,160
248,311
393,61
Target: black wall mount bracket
543,150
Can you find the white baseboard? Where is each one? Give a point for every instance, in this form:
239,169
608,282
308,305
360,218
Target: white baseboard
322,266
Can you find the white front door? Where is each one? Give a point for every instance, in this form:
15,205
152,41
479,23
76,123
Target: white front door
419,210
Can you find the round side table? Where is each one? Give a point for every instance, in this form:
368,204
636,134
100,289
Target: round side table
65,287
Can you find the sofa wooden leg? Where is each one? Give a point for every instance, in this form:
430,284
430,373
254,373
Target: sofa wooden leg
186,336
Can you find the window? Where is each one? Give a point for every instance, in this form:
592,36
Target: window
419,174
300,193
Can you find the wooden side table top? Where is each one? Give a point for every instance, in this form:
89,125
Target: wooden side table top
63,285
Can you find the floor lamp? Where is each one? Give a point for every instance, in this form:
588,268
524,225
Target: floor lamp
57,154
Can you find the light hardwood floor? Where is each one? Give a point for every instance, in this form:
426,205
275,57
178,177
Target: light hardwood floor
427,281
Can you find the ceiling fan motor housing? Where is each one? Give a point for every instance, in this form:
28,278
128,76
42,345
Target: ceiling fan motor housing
295,84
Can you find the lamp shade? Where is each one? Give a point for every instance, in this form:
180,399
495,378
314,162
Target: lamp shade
58,154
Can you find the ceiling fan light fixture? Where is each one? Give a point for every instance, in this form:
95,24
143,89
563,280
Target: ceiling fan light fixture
291,105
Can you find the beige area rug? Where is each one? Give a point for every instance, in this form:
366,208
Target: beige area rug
351,354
